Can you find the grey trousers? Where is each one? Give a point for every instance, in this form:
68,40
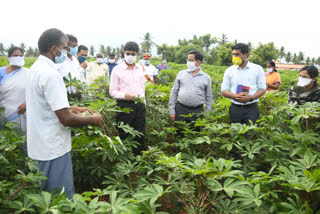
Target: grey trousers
59,173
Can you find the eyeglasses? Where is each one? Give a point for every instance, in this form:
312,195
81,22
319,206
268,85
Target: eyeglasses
132,54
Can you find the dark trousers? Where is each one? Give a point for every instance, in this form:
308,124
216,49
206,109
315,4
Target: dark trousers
244,113
186,110
135,119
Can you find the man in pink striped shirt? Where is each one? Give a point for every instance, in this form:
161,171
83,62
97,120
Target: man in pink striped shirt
126,83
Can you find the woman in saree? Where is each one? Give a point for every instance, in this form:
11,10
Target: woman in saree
13,89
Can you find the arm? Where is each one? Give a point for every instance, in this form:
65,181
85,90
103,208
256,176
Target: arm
114,86
22,108
155,80
173,98
67,118
274,86
226,85
209,97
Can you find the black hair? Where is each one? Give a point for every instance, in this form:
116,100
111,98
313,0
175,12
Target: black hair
111,55
242,47
197,55
13,49
72,38
273,65
82,47
312,71
164,58
49,38
131,46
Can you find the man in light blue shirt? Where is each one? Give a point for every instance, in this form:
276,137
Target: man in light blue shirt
243,83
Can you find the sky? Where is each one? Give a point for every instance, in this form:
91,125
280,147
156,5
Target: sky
289,23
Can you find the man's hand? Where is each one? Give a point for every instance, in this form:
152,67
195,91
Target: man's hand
98,119
172,117
79,110
129,97
22,108
243,97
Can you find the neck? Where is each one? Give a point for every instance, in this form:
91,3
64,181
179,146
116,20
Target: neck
51,57
131,66
243,65
12,68
196,71
309,87
70,57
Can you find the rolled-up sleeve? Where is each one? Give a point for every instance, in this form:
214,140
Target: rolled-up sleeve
174,95
209,97
226,82
261,80
114,86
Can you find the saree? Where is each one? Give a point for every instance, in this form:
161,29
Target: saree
12,95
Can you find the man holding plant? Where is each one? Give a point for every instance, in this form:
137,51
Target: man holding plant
49,114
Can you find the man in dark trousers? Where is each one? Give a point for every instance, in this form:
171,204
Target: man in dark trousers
126,83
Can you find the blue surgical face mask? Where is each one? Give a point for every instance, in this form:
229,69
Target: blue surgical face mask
82,59
73,51
147,61
62,57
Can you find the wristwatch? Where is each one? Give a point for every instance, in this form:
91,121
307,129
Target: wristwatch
251,98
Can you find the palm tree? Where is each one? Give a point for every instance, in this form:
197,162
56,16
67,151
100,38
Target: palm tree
282,52
288,57
147,43
91,50
224,39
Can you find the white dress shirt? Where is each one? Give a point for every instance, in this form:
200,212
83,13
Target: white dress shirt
235,78
46,93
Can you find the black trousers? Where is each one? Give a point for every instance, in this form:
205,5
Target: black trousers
244,113
135,119
185,110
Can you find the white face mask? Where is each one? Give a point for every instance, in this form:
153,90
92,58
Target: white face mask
269,70
130,59
303,82
192,66
99,60
112,61
17,61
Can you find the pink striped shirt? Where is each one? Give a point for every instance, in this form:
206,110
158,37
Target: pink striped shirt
127,81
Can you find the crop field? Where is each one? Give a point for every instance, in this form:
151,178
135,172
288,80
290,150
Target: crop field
270,167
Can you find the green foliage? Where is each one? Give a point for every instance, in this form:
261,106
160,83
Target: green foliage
271,167
264,53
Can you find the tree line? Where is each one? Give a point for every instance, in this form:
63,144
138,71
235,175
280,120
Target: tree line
217,51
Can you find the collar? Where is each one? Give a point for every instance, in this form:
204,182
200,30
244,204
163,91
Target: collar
199,72
125,66
48,61
248,65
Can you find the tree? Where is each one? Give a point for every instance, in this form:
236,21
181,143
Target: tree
29,52
102,50
288,57
182,54
313,61
147,43
318,61
294,58
91,50
207,41
282,52
300,57
108,50
308,60
224,39
167,51
23,47
224,54
212,57
264,53
36,52
2,50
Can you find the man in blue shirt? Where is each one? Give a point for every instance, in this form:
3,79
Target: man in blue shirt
243,83
111,63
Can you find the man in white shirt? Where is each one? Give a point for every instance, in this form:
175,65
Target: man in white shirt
98,69
70,67
48,114
243,83
149,69
84,65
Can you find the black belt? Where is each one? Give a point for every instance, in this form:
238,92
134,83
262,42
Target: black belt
245,106
125,101
191,107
